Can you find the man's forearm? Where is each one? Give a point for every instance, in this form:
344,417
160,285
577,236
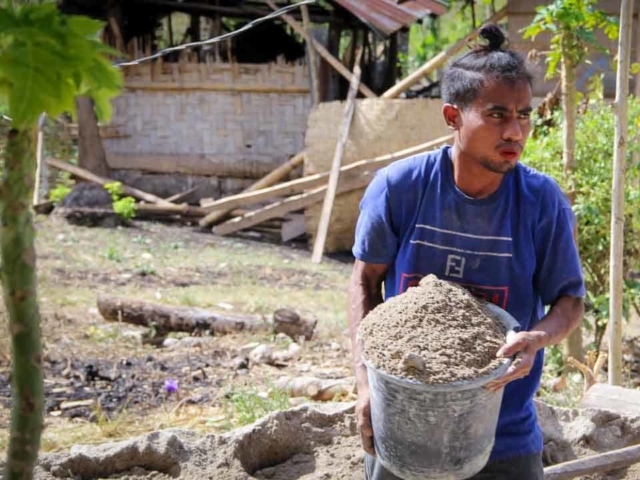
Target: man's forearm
363,297
565,315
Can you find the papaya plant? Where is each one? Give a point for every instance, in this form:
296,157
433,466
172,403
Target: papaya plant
46,60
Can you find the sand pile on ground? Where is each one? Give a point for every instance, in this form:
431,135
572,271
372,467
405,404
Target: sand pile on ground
436,332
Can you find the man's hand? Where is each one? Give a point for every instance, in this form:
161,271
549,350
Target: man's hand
524,346
363,418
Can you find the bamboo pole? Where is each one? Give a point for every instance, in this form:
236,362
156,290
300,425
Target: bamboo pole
312,181
438,60
273,177
323,52
616,262
334,175
91,177
311,56
41,168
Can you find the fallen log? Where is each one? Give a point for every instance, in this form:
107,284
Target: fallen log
322,390
290,323
268,354
603,462
92,177
291,204
273,177
165,318
319,179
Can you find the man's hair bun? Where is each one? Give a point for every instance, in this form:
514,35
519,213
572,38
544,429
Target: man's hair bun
494,35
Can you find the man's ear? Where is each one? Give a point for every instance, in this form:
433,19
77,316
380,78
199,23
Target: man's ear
452,116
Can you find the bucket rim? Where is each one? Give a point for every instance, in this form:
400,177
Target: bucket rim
511,326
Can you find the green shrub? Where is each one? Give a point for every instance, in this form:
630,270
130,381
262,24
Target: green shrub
594,157
57,194
125,207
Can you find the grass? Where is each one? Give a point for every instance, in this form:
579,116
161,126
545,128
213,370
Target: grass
246,405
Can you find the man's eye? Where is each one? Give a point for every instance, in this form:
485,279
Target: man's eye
496,115
524,116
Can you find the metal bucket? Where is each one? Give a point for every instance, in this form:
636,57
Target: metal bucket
436,432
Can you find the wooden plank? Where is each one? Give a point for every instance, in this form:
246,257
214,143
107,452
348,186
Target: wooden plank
311,56
625,401
438,60
278,209
273,177
334,174
214,87
603,462
318,179
323,52
91,177
179,196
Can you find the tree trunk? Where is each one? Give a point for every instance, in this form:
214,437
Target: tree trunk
19,287
616,259
573,343
91,154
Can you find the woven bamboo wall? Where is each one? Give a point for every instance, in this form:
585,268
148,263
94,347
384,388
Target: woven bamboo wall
233,120
379,127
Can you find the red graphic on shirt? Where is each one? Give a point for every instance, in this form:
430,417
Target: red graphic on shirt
496,295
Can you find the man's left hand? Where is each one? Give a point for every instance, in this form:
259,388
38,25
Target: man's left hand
524,346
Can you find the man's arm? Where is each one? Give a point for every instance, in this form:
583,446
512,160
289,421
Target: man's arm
365,292
565,315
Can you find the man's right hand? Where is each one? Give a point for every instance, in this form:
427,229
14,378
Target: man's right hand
363,418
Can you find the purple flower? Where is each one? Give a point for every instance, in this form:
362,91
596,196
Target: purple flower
171,385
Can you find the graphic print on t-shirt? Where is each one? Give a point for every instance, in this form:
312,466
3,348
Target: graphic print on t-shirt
461,257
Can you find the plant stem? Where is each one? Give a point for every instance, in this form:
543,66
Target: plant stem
19,286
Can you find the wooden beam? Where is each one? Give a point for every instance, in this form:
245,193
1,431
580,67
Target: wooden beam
438,60
323,52
603,462
213,87
278,209
182,195
318,179
334,175
91,177
273,177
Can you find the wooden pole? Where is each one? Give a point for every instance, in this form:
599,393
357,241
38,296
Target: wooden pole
323,52
318,179
311,56
603,462
616,262
40,167
334,176
273,177
438,60
91,177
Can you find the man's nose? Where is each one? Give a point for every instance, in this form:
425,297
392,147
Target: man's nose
513,131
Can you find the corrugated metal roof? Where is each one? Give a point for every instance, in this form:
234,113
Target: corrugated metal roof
388,16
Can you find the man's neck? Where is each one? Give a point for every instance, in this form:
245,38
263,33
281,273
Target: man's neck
473,179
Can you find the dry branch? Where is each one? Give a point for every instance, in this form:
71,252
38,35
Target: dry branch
319,179
603,462
91,177
165,318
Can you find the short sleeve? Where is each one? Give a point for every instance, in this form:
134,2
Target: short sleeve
376,241
558,271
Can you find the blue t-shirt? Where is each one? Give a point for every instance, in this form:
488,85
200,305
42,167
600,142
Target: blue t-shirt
514,248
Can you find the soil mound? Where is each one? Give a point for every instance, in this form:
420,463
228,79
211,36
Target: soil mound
436,333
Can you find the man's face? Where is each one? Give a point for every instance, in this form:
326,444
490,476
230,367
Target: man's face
494,129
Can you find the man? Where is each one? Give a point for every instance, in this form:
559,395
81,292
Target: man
472,214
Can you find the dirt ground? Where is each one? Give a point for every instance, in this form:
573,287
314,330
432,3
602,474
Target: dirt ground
103,383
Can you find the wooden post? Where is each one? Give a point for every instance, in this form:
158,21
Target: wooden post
334,62
334,176
616,262
437,61
273,177
311,57
41,167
